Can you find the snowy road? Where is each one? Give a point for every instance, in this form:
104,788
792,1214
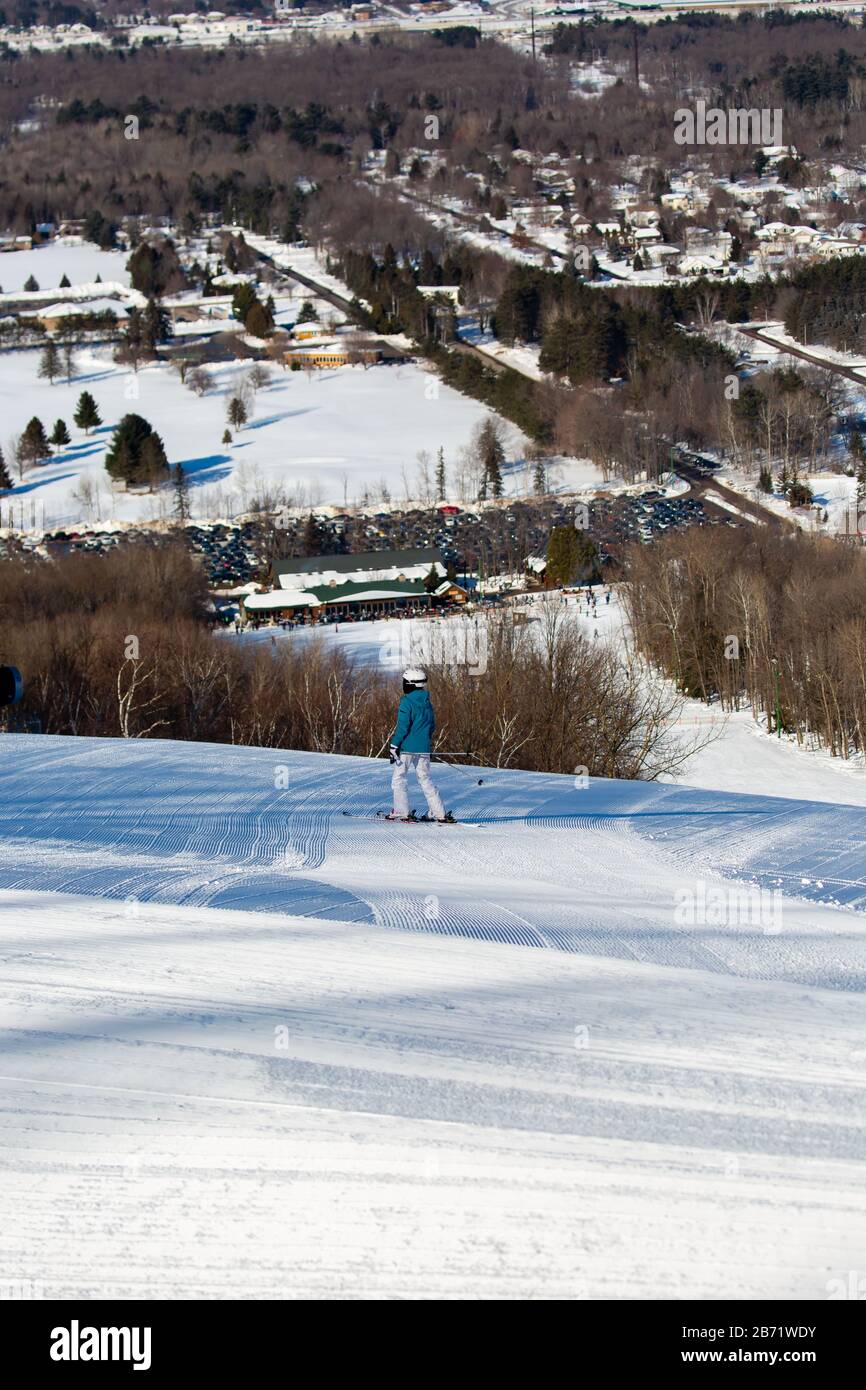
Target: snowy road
256,1044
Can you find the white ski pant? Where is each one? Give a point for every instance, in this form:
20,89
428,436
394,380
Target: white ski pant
400,785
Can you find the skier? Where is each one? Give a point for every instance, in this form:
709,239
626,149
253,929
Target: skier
410,747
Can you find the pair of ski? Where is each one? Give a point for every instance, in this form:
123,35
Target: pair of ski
412,819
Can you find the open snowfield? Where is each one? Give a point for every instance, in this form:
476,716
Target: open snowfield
80,261
257,1044
329,437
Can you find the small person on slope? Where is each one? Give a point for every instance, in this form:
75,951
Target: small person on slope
410,747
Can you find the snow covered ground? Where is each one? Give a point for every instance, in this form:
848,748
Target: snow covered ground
80,261
258,1045
329,437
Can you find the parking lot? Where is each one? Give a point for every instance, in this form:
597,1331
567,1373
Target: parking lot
482,540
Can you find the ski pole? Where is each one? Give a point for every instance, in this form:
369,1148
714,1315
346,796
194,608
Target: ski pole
440,757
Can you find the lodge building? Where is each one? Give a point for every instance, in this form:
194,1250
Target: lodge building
369,585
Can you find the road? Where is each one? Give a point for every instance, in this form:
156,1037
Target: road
701,485
856,374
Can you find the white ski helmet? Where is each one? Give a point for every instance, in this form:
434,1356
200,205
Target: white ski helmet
415,675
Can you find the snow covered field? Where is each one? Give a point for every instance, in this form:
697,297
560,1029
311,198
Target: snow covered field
80,261
257,1044
329,437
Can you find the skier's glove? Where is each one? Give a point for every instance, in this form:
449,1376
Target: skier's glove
394,754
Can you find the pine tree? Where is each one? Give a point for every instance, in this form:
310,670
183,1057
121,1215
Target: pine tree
31,284
60,435
155,325
440,475
152,462
312,539
765,479
181,493
227,436
136,453
64,283
539,477
572,555
258,321
491,457
49,362
5,480
87,416
33,444
237,412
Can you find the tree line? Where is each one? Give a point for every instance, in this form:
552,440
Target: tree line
754,619
121,645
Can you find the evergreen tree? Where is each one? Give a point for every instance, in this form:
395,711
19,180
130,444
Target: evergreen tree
64,283
440,475
432,580
60,434
227,436
155,269
87,416
49,362
765,479
136,453
31,284
152,462
491,456
258,321
312,538
237,413
572,556
243,299
5,480
181,493
155,325
539,477
33,444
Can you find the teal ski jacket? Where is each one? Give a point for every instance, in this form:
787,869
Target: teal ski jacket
415,723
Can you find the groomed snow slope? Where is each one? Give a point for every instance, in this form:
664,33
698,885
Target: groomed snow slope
256,1044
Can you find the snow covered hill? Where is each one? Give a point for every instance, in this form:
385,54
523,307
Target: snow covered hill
605,1041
